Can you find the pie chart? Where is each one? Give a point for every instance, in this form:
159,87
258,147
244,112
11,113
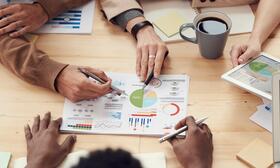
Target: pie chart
141,99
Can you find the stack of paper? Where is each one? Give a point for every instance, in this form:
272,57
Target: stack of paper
263,115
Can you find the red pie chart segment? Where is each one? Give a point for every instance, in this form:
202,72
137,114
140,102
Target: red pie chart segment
172,109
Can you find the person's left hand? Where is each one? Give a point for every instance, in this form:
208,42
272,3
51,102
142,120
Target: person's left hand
43,149
18,19
151,52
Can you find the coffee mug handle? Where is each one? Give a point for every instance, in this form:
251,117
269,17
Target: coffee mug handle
185,27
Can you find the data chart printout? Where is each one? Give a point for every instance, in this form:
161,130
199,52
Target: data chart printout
153,111
74,21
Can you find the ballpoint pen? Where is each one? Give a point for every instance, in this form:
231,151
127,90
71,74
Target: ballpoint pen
179,131
89,74
151,75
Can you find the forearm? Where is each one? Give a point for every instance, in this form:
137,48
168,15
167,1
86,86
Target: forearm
266,20
28,63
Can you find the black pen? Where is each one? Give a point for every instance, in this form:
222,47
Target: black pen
151,75
148,80
89,74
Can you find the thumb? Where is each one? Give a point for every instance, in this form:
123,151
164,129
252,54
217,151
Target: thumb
68,144
245,57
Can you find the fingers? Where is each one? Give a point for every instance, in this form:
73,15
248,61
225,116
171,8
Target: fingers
97,72
205,128
246,56
144,62
68,144
173,141
7,10
20,32
11,27
160,57
45,121
7,20
55,124
101,89
36,123
188,120
235,53
138,62
152,57
28,134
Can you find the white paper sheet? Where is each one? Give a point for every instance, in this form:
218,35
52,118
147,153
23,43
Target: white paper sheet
74,21
148,160
4,159
154,112
263,116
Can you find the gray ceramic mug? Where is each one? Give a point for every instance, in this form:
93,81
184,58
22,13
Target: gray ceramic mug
211,46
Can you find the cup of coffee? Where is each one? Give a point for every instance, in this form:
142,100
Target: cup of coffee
212,30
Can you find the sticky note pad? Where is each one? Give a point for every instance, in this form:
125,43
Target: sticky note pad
257,154
170,23
4,159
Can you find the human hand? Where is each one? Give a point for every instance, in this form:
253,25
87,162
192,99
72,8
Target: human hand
43,149
241,53
19,19
75,86
196,150
151,53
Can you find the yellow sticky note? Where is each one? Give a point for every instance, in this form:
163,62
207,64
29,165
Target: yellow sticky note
257,154
170,23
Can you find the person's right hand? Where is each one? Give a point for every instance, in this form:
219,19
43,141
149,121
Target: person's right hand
241,53
75,86
196,150
43,149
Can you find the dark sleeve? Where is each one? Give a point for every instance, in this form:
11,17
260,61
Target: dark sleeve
123,18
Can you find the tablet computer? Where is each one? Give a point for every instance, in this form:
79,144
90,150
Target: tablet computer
256,75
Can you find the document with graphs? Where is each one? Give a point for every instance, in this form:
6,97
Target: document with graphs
153,111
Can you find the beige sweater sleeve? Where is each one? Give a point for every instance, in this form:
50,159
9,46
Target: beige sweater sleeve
29,63
113,8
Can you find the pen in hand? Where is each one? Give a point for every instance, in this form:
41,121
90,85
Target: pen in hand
179,131
89,74
151,75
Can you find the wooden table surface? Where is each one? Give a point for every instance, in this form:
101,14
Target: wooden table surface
110,49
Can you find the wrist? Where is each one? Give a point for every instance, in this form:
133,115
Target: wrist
43,12
255,38
133,22
146,29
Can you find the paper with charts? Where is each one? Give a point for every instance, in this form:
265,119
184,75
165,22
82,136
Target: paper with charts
74,21
154,111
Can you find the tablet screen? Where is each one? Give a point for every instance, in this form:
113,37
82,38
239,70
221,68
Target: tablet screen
257,73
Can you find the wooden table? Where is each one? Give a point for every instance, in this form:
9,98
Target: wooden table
110,49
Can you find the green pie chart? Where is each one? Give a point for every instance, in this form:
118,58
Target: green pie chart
141,99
